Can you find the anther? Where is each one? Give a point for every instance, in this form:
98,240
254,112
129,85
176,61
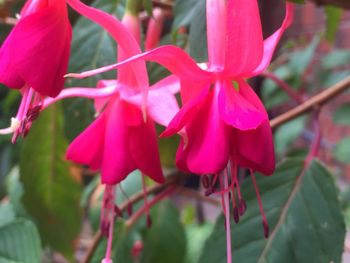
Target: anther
242,207
117,211
206,181
235,213
266,229
149,221
129,209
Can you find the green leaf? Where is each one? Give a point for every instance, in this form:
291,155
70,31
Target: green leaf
196,236
165,241
333,15
192,13
342,150
14,189
20,242
92,47
51,193
304,215
342,115
7,213
336,58
286,134
300,60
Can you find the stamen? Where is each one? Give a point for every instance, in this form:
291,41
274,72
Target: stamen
226,206
264,221
206,181
107,219
129,206
145,197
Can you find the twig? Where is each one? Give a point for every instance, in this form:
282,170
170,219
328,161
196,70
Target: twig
132,200
196,195
317,100
284,86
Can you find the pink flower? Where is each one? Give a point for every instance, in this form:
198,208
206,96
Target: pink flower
222,122
34,57
123,137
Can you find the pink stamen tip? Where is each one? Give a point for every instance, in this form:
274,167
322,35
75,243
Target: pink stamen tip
149,221
117,211
209,191
266,229
242,207
235,213
206,181
129,209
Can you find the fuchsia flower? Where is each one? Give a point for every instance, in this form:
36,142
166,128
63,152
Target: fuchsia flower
222,122
34,58
122,138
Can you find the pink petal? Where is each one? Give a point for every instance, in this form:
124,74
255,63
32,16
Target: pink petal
244,39
271,42
255,149
100,102
207,148
144,150
8,73
87,148
43,34
161,103
117,159
216,33
187,113
238,108
173,58
121,35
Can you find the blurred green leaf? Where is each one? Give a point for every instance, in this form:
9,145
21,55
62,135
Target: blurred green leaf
165,241
7,213
342,115
20,242
336,58
192,13
300,60
14,189
342,150
297,1
333,15
196,237
286,134
92,47
51,193
312,230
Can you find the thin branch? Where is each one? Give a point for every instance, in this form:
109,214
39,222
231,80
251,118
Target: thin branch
284,86
124,206
315,101
8,21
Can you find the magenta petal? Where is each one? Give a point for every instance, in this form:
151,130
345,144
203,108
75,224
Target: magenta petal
216,33
244,39
43,34
186,113
117,159
87,148
237,108
255,149
271,42
162,105
144,150
207,147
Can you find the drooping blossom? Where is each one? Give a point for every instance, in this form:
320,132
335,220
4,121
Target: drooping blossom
222,122
34,58
121,139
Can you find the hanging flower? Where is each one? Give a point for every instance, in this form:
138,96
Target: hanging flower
222,122
123,136
34,58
